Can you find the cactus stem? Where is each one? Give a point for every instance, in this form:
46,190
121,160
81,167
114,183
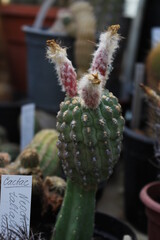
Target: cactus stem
83,206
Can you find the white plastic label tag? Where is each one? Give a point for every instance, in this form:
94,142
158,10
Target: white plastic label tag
15,204
27,124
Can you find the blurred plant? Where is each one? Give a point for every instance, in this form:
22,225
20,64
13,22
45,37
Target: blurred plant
153,82
107,11
78,20
154,103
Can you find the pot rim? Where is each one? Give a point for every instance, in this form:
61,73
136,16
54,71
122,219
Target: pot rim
147,200
131,133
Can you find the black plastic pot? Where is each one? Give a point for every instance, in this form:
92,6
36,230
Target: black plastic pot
110,228
106,228
42,80
138,171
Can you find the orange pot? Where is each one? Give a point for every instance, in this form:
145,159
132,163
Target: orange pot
13,17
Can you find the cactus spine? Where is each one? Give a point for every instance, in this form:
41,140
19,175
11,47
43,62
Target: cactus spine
90,128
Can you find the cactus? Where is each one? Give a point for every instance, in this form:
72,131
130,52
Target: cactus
54,189
44,142
90,128
153,69
153,82
154,103
83,14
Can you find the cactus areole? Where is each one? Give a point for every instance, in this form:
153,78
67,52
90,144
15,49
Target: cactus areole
90,127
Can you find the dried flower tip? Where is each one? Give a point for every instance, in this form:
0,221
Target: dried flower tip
93,78
52,43
114,28
103,56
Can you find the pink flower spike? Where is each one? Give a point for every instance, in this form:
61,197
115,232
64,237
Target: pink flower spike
66,73
103,56
90,90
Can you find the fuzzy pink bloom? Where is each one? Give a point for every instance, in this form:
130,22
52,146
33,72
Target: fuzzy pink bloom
90,90
66,73
103,56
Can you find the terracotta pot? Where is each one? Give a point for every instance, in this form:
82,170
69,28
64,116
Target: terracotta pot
150,196
13,17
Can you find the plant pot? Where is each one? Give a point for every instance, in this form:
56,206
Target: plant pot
13,17
110,228
138,171
150,196
106,228
43,87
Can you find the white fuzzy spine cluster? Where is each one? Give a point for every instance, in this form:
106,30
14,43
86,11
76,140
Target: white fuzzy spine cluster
66,73
103,56
89,92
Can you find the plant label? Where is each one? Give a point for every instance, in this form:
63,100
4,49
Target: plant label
27,124
15,205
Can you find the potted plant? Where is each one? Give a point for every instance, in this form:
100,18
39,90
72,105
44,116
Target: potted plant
139,147
69,30
13,17
150,193
90,128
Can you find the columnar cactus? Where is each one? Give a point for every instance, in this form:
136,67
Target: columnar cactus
90,128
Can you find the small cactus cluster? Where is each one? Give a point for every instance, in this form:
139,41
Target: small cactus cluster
90,126
39,159
44,142
47,191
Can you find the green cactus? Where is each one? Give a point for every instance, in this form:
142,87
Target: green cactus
153,69
93,135
153,81
90,128
45,144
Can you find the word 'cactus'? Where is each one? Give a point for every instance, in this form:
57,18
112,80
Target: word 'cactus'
90,128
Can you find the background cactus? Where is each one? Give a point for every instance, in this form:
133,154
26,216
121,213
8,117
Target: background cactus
84,16
44,142
71,21
153,82
90,128
153,69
